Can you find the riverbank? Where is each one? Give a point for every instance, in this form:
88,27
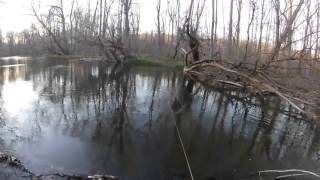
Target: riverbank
139,61
149,62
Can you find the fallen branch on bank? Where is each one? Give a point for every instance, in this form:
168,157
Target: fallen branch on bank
243,81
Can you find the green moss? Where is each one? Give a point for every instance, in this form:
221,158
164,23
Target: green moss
144,62
179,67
150,62
140,61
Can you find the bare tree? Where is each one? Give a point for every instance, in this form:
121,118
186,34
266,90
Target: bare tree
285,33
317,31
230,36
212,28
126,10
290,28
62,46
216,23
261,26
158,8
238,23
191,27
252,15
173,9
71,21
277,9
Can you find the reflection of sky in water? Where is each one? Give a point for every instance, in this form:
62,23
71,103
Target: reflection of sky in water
18,100
14,58
18,96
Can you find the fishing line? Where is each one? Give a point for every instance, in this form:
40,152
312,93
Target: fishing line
184,150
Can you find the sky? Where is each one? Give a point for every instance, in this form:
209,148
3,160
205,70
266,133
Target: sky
15,15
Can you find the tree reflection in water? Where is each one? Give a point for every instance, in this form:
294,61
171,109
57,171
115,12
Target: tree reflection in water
98,118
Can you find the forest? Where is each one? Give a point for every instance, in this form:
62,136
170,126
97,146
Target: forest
257,53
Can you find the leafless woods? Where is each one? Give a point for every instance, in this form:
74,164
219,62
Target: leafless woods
258,33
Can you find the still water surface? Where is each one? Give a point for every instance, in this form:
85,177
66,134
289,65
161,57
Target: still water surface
81,117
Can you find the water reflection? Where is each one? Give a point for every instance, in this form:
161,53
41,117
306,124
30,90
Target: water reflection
18,96
97,118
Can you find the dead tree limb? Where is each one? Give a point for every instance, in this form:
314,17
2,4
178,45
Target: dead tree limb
52,35
284,35
255,83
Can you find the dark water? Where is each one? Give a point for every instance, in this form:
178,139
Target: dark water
81,117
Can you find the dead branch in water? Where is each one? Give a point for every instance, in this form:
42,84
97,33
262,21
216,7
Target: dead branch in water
294,173
246,81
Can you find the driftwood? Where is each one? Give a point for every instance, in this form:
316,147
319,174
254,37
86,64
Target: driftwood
290,173
246,81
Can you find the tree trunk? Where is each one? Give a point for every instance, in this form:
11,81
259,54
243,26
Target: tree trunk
261,27
158,8
277,9
238,24
127,8
286,32
230,28
317,33
212,31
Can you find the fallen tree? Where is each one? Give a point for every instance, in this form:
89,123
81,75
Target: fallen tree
215,74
